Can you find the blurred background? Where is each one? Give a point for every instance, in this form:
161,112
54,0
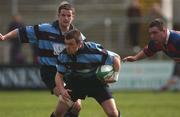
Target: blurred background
119,25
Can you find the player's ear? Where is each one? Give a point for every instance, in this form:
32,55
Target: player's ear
73,17
164,29
58,15
80,44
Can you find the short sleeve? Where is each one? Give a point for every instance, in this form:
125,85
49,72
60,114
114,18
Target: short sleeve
152,48
27,34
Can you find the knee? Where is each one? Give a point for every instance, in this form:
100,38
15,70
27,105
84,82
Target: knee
58,114
112,113
76,107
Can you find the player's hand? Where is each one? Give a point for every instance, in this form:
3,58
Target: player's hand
56,91
110,80
129,59
65,94
76,107
2,37
102,80
107,80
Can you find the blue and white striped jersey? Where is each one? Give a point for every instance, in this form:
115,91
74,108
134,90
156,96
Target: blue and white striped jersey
87,59
49,39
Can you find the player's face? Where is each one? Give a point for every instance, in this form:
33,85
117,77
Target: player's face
65,17
71,46
156,34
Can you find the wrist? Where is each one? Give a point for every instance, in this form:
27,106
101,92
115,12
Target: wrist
116,76
5,37
62,91
135,58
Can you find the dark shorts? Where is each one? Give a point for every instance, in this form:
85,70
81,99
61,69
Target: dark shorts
91,87
48,76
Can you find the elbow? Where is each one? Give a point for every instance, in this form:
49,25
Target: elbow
117,58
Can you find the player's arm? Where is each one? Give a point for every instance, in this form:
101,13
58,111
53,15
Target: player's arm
61,70
149,50
64,93
25,35
10,35
116,68
138,56
59,83
60,86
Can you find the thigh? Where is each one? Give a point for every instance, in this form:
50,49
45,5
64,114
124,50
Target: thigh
76,107
100,94
61,109
48,77
104,97
109,106
76,93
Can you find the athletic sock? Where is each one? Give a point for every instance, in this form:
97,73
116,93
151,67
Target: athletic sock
70,114
119,114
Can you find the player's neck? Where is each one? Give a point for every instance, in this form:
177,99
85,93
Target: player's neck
166,36
64,28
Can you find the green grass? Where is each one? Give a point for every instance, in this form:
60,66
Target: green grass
131,104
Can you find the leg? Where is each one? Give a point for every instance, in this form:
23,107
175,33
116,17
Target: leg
61,109
52,114
169,83
105,99
110,108
76,107
67,108
48,75
174,78
74,110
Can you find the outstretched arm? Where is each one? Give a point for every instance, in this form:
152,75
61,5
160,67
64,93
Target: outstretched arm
10,35
138,56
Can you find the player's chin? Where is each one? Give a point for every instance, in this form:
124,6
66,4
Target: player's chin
157,41
70,52
66,24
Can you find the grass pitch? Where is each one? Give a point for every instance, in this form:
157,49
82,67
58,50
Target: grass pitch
131,104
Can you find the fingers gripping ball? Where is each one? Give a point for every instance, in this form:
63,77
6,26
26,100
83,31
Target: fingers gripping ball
104,72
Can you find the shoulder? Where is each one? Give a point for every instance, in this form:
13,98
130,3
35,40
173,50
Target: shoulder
83,37
48,27
154,46
45,25
63,55
174,34
93,45
63,52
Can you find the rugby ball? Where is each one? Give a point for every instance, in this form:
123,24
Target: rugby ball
104,71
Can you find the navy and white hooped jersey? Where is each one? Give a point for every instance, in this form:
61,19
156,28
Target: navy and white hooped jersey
86,60
171,49
49,39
